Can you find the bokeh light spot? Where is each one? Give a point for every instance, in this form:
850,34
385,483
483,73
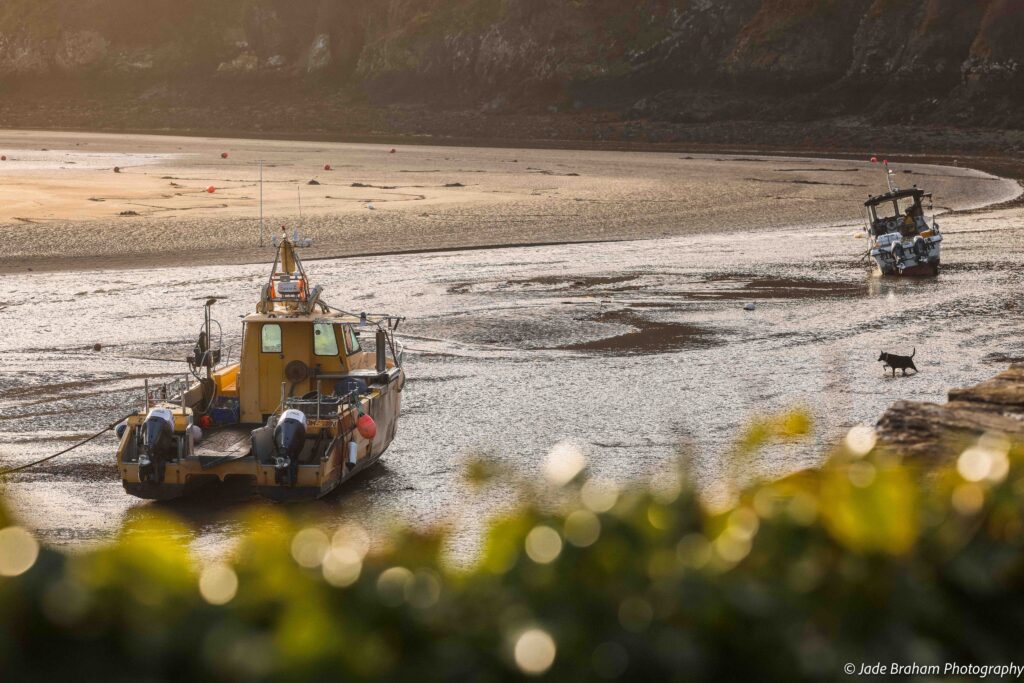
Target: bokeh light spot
535,652
543,544
861,440
564,462
582,528
599,495
218,584
18,551
309,547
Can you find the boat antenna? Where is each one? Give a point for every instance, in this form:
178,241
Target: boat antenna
261,202
888,176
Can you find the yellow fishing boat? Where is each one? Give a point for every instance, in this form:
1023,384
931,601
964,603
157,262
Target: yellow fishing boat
305,408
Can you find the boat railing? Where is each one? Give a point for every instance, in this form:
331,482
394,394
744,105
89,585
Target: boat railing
390,343
229,352
172,391
219,357
398,353
316,405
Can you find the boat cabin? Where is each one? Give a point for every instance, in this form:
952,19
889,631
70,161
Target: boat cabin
897,211
313,353
296,345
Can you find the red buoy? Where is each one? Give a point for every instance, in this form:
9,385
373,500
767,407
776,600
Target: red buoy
3,158
366,426
205,422
223,155
874,160
327,167
211,189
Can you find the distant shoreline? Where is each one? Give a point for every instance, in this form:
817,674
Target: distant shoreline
977,146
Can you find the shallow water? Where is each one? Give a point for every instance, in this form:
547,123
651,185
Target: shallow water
632,350
45,159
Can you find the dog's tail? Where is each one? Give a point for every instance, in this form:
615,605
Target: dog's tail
914,352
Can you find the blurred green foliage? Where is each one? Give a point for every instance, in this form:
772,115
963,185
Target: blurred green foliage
863,559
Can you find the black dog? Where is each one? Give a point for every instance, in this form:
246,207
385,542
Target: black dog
891,360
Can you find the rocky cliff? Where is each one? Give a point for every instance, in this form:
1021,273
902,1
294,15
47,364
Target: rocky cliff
934,432
934,61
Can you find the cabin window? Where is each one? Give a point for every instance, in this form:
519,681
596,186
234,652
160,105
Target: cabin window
887,210
906,203
325,343
270,338
351,340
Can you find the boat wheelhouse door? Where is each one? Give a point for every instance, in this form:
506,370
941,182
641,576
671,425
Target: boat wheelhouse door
271,364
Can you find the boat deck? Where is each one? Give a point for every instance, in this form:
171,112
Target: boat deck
223,445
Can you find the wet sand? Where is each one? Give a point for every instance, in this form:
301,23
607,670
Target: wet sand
631,349
63,207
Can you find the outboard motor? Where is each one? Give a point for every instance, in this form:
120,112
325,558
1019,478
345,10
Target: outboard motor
157,444
898,252
921,249
289,438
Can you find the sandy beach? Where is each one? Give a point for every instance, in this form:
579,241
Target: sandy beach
62,205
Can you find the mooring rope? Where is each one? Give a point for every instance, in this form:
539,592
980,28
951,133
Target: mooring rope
112,425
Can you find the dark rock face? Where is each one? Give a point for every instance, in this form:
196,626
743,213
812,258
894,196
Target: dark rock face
946,61
935,431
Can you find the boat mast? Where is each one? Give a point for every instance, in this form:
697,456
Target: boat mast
888,177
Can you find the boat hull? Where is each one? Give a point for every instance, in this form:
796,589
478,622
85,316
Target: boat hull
917,270
908,261
238,458
163,491
297,494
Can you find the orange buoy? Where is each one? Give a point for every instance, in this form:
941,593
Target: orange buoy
3,158
211,189
223,155
366,426
327,167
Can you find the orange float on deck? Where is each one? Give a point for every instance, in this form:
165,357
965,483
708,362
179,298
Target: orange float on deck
211,189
